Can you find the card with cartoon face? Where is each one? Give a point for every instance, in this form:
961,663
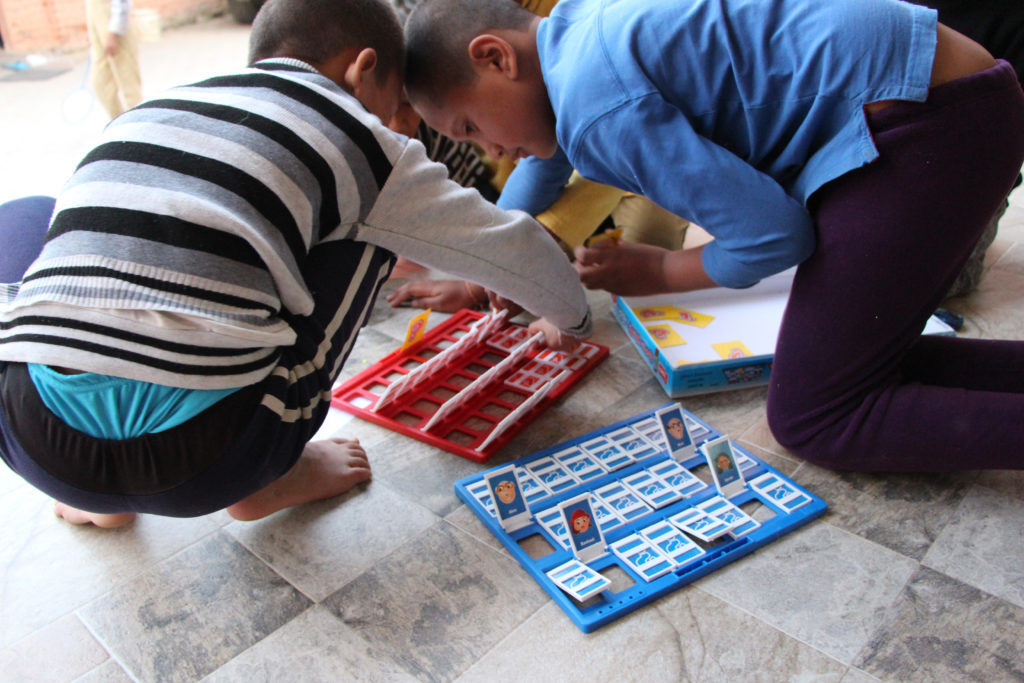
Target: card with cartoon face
675,431
584,531
724,468
509,502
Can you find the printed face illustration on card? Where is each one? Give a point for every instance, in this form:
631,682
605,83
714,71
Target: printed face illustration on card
664,336
508,498
724,469
584,532
673,426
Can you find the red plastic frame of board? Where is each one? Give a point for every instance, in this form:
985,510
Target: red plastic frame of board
471,424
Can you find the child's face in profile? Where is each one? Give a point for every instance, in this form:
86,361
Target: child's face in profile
505,117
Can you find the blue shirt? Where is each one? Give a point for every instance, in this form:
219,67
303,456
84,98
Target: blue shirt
730,113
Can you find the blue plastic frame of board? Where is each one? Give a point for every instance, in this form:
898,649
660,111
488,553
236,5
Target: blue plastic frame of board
609,605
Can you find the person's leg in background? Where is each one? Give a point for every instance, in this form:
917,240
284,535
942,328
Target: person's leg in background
644,222
113,71
23,224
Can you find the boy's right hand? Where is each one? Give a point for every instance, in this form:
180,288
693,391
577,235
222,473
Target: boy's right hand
553,337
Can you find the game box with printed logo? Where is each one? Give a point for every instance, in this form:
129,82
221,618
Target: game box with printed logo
713,339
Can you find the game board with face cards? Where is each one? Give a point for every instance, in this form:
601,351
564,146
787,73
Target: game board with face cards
614,522
468,386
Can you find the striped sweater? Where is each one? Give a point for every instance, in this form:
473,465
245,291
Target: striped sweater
178,249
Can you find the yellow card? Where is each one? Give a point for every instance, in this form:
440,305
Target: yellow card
734,349
692,318
417,327
608,238
664,335
645,313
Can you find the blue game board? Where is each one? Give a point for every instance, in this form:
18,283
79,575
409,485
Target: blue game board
660,523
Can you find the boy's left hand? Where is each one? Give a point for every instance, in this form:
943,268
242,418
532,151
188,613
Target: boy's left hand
626,268
553,337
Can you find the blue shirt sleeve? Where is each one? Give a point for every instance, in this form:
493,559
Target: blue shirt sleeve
759,230
535,184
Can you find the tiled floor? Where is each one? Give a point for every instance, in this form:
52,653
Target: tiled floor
904,578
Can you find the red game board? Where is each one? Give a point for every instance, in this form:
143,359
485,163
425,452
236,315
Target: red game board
469,386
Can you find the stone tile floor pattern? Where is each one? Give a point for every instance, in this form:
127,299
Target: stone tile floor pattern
906,577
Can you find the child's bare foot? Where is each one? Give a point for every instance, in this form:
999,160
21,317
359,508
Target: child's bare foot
105,521
324,470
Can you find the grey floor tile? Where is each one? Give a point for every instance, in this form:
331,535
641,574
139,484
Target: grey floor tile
51,567
438,603
819,584
108,672
65,646
1007,482
982,546
903,512
686,636
315,646
466,520
192,613
320,547
422,473
941,629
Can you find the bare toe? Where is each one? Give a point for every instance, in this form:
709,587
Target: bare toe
105,521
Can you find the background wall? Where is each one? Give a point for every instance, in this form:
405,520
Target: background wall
59,25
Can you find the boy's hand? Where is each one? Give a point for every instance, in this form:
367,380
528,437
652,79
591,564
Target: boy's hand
626,268
500,303
446,296
553,337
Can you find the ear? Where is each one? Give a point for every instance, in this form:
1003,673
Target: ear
488,51
360,69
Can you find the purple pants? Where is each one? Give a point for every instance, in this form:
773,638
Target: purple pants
854,386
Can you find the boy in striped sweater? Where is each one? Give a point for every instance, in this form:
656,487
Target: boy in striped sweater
169,342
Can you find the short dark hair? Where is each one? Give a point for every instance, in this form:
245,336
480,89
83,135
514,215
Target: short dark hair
316,30
438,34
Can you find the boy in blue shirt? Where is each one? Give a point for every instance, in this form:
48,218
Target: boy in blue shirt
837,136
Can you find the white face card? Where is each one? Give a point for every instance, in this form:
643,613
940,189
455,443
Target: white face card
740,523
673,543
509,502
724,468
605,516
632,442
779,492
607,453
552,474
696,429
578,580
623,501
583,465
678,477
482,493
675,431
532,489
654,490
699,524
642,557
650,429
585,535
